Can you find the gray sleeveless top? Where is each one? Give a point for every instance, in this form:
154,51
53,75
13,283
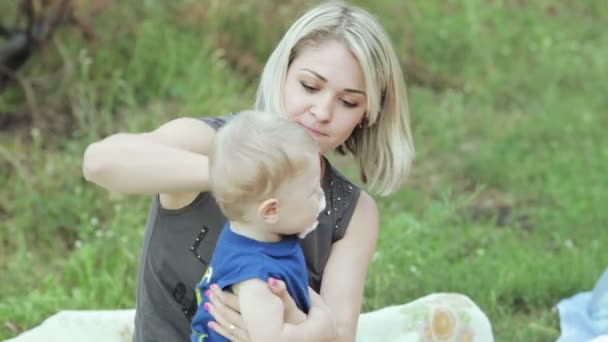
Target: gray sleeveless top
178,245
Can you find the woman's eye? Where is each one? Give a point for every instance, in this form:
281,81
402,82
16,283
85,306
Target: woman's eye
308,88
349,104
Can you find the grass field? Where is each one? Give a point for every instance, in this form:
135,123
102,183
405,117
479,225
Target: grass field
507,198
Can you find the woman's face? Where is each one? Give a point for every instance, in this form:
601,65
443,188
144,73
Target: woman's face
325,93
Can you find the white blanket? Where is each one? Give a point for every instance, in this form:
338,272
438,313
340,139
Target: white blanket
437,317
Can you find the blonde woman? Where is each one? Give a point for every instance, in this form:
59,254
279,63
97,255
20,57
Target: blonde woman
336,74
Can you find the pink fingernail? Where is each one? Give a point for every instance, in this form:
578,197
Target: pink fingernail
214,287
207,293
206,306
211,325
274,282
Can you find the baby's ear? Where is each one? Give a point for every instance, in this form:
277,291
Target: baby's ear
269,211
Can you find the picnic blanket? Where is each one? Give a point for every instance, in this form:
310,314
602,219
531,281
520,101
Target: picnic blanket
584,316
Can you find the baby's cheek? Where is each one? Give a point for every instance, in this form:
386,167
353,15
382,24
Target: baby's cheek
322,202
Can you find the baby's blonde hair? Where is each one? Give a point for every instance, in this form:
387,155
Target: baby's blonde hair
252,155
383,146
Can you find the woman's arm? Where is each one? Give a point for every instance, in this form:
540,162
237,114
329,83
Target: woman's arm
170,159
344,274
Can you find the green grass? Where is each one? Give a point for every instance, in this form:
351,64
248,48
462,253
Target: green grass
522,131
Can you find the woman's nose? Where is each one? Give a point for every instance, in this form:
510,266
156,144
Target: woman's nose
322,110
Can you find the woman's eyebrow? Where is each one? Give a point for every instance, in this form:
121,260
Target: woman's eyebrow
348,90
316,74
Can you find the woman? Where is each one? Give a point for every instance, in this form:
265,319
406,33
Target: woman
336,74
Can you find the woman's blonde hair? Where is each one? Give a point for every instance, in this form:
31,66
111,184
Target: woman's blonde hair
252,156
383,145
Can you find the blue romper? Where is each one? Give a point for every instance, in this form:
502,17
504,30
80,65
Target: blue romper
237,258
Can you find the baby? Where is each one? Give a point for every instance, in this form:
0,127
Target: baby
264,173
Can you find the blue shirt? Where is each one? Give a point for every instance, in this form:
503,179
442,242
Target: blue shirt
238,258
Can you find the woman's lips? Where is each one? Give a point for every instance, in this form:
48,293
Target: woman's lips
313,132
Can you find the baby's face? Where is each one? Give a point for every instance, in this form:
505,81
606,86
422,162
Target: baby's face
301,201
314,225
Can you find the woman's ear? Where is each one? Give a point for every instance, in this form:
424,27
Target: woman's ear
268,211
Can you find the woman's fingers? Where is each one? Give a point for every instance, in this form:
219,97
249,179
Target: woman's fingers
230,332
279,288
228,321
225,306
224,297
293,314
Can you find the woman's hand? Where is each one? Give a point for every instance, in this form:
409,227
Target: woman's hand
224,307
292,313
319,311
